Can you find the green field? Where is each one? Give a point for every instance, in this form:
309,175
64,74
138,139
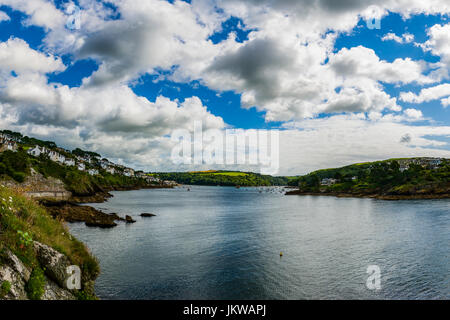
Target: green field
231,174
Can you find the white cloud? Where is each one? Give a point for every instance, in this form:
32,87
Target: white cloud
346,139
445,102
40,12
428,94
17,56
413,114
4,16
405,38
439,42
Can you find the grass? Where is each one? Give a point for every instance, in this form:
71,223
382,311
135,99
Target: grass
19,216
231,174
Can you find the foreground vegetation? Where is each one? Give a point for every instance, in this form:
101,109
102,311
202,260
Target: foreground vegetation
23,221
222,178
379,178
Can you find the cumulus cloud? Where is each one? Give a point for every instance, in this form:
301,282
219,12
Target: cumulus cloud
428,94
439,42
405,38
40,12
16,55
4,16
346,139
445,102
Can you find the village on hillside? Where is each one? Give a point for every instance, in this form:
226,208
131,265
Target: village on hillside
89,162
404,164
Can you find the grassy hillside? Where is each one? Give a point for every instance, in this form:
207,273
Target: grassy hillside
380,177
222,178
17,166
22,221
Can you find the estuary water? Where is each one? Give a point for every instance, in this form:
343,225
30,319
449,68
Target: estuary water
225,243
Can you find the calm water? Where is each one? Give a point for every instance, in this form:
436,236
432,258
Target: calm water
225,243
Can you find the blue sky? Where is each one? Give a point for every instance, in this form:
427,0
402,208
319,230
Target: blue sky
236,67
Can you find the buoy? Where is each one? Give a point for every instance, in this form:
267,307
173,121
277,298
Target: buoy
281,254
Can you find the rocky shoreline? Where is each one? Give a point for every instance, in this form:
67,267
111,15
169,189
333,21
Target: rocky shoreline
373,196
73,209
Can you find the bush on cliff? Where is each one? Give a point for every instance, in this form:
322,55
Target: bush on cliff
15,164
36,284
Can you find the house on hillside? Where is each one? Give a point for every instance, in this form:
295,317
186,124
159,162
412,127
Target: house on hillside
111,170
93,172
81,166
57,157
8,145
328,182
141,174
36,151
128,172
105,163
69,162
434,163
152,179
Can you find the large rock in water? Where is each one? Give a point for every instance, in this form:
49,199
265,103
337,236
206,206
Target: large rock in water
129,219
54,263
147,215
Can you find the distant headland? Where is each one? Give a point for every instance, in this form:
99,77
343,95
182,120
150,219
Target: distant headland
393,179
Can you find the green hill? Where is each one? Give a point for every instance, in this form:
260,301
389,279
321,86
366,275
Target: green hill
427,177
222,178
17,166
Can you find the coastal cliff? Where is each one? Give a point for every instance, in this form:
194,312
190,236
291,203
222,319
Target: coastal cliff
36,252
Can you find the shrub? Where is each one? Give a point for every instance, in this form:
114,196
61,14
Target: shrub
5,288
35,286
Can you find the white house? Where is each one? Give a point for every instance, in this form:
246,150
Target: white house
110,170
56,157
81,166
7,144
69,162
128,172
36,151
11,146
93,172
152,179
328,181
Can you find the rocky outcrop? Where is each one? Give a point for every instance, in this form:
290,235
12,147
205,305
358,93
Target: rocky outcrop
147,215
129,219
53,292
13,272
17,275
76,213
55,264
36,186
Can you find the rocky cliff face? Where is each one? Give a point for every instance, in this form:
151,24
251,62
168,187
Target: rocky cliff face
14,275
38,187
